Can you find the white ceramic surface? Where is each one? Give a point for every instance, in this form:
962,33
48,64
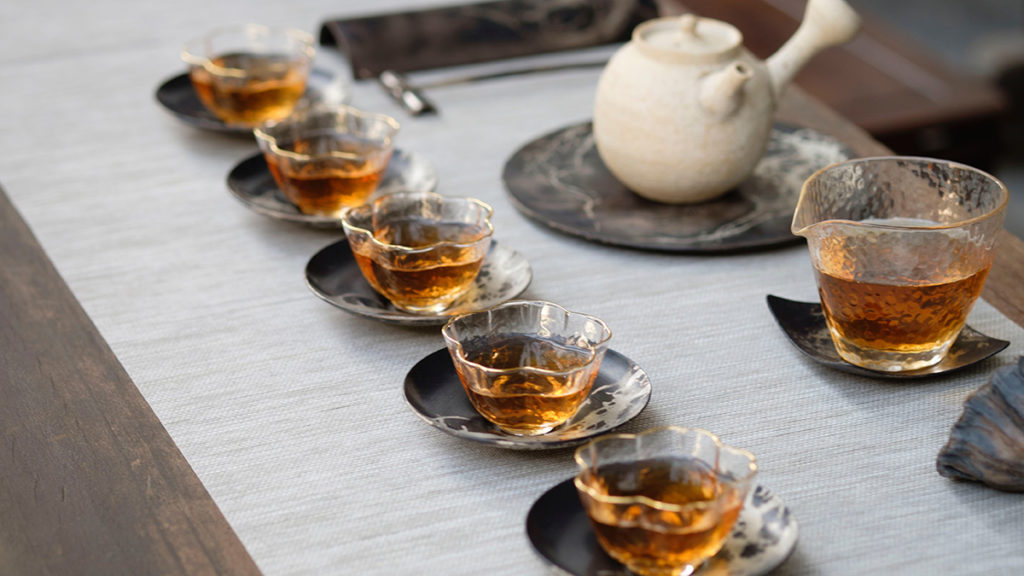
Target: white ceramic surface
683,112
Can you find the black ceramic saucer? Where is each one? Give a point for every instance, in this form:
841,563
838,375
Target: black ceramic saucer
804,324
763,537
560,181
179,98
434,392
251,183
333,275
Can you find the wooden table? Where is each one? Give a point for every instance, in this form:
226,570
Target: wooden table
90,480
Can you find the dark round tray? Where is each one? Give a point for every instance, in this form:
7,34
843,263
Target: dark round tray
560,181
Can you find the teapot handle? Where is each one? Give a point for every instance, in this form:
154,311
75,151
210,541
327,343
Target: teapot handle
826,23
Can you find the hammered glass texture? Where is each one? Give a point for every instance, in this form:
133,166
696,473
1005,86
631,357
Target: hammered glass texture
945,193
427,210
328,159
228,77
901,246
343,121
733,471
550,328
247,38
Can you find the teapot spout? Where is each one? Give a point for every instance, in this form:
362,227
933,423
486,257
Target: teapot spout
721,92
826,23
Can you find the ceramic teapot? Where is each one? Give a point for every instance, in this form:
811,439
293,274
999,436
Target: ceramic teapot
683,112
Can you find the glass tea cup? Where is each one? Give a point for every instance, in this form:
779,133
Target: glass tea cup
420,250
527,366
901,247
326,159
664,501
250,74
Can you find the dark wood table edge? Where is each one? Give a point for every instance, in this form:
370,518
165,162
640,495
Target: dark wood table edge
90,480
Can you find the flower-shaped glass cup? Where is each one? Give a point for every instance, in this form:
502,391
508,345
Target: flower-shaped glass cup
420,250
664,501
250,74
327,159
901,247
527,366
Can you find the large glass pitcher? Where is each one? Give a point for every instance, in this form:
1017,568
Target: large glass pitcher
900,247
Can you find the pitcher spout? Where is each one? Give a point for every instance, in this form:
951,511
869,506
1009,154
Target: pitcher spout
826,23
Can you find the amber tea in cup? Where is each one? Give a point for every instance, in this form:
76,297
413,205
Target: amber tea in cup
420,250
328,159
250,74
901,247
527,366
664,501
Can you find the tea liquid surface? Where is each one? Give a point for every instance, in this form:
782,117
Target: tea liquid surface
899,317
342,172
902,294
527,402
426,280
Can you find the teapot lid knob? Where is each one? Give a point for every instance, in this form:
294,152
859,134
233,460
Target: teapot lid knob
690,35
688,24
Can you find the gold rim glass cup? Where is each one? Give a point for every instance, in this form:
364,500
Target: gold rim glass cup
527,366
250,74
664,501
420,250
900,247
326,159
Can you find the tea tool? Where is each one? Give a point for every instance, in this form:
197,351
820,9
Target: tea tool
663,501
763,537
333,276
527,365
387,46
420,250
177,96
433,391
328,159
682,80
900,248
250,74
251,183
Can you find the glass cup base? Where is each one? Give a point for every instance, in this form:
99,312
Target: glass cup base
527,431
429,309
888,360
659,570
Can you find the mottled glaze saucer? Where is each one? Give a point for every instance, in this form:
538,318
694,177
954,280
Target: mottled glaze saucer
434,392
804,325
178,97
252,184
333,275
560,181
763,537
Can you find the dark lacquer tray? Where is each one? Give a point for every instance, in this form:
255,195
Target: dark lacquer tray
560,181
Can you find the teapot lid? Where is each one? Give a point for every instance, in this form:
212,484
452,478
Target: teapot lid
689,36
